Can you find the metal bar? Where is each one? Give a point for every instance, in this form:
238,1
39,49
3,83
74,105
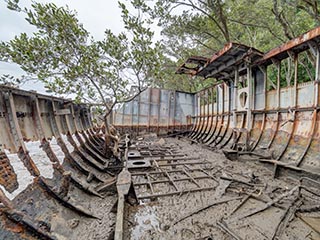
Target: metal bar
168,171
149,183
295,84
171,180
167,181
278,64
160,155
175,159
175,193
250,97
317,79
235,97
208,174
191,178
178,164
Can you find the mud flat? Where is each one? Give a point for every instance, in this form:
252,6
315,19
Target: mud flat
245,201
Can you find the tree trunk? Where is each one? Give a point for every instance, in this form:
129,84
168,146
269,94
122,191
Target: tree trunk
107,148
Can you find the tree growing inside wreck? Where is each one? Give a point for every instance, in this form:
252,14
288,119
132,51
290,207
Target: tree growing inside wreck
62,54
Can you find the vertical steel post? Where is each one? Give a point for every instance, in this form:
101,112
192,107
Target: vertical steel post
317,79
295,84
265,79
235,97
250,98
278,84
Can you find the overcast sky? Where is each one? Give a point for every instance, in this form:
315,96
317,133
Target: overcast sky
96,16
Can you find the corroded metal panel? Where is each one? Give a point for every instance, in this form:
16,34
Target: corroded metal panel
305,94
287,97
45,116
25,117
156,108
271,100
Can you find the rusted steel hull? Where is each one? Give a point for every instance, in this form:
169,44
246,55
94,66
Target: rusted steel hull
50,143
249,117
47,191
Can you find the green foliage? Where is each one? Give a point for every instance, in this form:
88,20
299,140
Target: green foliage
201,28
63,55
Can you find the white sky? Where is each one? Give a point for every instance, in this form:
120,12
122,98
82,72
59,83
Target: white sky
96,16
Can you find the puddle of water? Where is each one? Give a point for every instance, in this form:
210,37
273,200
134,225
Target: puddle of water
145,219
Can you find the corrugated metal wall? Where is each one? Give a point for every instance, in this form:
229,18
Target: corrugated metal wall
157,109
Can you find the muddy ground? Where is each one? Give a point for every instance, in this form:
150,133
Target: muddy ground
196,193
188,215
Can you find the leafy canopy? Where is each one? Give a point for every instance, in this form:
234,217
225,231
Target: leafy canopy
63,55
202,27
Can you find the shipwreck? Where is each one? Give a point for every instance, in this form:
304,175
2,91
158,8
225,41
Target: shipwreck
237,160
